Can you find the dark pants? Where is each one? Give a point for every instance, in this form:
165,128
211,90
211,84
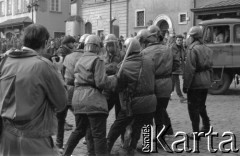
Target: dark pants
61,116
161,116
176,84
94,128
197,107
120,124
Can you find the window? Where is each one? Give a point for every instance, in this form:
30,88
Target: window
182,18
2,8
55,5
25,4
9,7
140,18
236,33
18,8
217,34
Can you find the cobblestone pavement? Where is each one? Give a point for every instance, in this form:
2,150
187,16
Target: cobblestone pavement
224,113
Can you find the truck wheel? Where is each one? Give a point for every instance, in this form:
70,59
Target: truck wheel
220,87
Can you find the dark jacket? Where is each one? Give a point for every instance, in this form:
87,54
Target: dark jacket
90,80
198,68
31,93
144,99
163,62
179,55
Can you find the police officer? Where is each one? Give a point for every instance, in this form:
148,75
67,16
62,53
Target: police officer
137,81
163,61
90,106
112,59
197,78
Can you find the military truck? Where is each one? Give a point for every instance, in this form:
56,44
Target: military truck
223,37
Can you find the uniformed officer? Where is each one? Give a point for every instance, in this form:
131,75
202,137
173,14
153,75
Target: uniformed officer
89,104
197,79
163,61
136,81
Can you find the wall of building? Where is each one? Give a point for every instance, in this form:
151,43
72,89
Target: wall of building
53,21
98,14
169,9
201,3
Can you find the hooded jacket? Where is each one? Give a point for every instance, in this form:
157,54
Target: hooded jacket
143,98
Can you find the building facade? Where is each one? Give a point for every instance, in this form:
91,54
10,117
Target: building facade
95,15
15,15
173,16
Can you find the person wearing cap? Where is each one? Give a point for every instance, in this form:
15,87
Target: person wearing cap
197,79
89,104
179,55
163,62
136,81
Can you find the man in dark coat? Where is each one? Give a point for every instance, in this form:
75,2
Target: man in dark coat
197,79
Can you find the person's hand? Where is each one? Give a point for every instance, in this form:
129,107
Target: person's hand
58,65
185,90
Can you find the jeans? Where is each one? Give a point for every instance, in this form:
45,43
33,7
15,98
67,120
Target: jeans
176,82
94,128
120,124
197,107
161,116
61,116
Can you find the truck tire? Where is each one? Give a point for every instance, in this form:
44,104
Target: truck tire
222,86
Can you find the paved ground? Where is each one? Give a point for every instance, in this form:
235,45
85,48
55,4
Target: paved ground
223,110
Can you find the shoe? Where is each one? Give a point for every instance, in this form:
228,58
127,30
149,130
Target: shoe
183,99
60,149
66,127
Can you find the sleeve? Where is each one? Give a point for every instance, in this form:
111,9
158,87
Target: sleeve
54,87
69,71
190,68
102,81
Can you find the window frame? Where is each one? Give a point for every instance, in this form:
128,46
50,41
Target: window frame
11,10
16,7
235,34
179,18
2,9
53,6
136,17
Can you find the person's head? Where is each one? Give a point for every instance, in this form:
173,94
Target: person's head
171,40
92,44
52,44
145,37
69,41
111,43
179,40
195,34
82,41
35,37
156,32
133,44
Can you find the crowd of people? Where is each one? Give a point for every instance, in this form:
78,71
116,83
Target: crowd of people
40,83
